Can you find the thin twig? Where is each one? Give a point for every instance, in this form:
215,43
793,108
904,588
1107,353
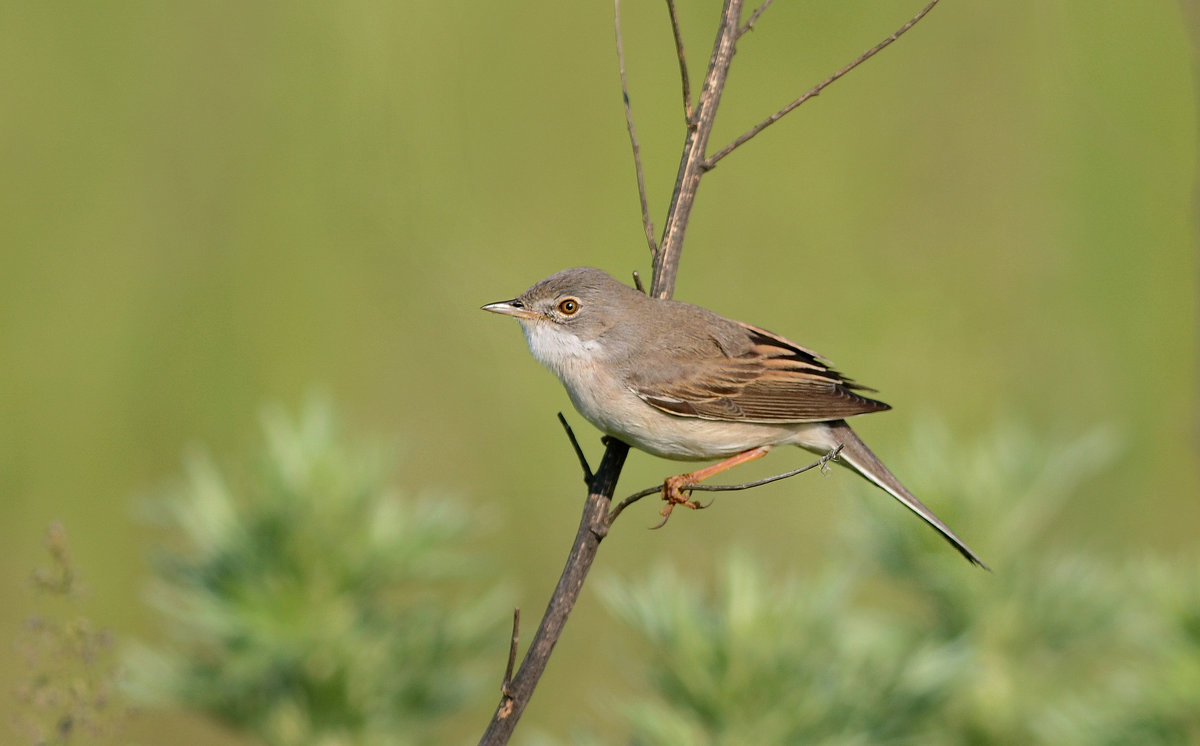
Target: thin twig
512,650
683,68
647,223
583,462
657,489
819,463
749,24
816,90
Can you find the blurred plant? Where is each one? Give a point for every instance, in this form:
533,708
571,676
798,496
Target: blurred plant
1055,647
70,690
312,604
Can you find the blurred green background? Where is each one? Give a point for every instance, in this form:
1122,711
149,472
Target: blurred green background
208,207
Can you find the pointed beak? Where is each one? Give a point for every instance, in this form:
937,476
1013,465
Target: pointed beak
513,308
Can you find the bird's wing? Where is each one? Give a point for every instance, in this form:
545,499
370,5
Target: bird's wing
772,381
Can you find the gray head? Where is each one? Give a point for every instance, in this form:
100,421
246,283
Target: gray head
582,301
574,315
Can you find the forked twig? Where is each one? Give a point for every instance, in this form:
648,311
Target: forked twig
816,90
692,164
647,223
683,68
749,24
658,488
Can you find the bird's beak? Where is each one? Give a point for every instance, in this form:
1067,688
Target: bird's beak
512,307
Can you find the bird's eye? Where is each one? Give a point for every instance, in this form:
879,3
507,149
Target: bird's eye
568,306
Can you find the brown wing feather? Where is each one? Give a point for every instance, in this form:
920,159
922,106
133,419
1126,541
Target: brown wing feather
774,380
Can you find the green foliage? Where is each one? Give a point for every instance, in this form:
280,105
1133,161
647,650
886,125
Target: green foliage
311,603
1054,647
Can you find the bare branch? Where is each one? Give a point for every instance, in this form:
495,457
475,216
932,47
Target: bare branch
583,462
657,489
593,527
692,164
816,90
749,24
683,68
647,224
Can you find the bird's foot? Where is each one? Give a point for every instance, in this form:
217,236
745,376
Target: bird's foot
676,491
823,463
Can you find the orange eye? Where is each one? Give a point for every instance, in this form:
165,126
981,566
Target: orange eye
568,306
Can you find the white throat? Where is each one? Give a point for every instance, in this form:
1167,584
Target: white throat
558,349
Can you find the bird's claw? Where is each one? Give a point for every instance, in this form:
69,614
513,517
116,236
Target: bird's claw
823,463
674,489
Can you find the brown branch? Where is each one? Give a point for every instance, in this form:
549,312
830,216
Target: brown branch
692,165
593,527
647,224
749,24
816,90
658,488
683,68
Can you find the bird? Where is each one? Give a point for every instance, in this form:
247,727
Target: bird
681,382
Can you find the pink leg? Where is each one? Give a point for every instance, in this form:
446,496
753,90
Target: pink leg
675,487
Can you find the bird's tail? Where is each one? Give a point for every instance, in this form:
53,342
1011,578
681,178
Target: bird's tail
856,455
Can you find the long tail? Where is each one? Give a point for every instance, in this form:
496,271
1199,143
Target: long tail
856,454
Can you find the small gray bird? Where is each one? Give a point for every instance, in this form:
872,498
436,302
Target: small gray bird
681,382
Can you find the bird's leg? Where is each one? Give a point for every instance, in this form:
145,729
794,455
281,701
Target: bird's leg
675,487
